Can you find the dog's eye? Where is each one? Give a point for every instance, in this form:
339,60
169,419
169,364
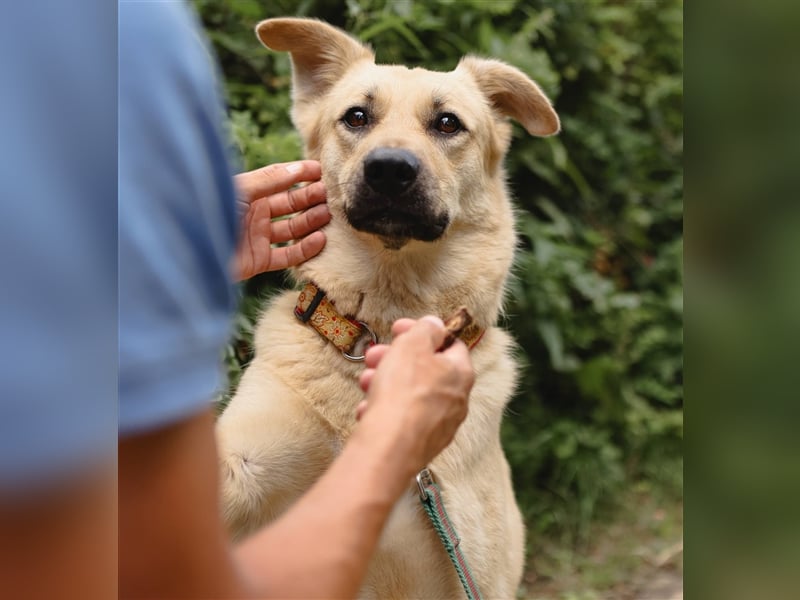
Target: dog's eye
355,118
447,123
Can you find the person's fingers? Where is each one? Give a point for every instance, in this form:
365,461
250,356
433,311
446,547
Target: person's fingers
361,409
276,178
294,254
374,355
365,379
458,354
297,199
254,245
427,332
300,225
402,325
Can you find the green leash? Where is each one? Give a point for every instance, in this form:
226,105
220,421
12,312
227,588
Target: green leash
431,497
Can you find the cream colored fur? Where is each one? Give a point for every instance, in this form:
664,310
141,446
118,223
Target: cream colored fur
295,406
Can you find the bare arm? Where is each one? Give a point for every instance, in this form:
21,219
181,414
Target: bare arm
172,541
60,541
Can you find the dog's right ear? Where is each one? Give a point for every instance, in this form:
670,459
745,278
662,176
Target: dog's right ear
513,94
320,53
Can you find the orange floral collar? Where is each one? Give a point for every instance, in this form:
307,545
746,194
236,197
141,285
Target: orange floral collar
350,336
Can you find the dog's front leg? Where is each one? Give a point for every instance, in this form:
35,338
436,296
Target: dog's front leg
272,447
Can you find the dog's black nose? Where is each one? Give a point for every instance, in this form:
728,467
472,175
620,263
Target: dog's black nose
390,171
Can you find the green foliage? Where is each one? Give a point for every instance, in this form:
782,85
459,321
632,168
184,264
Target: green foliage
596,302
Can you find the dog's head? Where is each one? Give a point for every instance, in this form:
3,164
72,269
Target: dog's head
405,152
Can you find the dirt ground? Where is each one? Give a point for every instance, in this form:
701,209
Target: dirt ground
638,555
666,585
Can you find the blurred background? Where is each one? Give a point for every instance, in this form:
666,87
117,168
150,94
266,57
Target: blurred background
595,433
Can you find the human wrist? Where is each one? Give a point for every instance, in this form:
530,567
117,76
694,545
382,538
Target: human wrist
387,455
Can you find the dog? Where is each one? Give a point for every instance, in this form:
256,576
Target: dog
421,224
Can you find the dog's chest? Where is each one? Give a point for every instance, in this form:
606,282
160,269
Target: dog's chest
322,378
410,561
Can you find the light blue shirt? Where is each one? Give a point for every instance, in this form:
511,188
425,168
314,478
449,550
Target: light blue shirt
104,302
58,241
177,218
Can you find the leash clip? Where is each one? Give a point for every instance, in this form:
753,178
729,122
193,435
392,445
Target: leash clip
424,479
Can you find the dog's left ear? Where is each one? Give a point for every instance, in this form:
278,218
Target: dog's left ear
320,52
514,94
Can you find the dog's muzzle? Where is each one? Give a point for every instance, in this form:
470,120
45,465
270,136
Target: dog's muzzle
392,202
390,171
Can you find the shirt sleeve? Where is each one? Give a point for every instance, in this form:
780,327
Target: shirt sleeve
58,244
177,218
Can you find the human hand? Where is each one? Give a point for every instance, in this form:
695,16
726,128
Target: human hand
415,394
266,195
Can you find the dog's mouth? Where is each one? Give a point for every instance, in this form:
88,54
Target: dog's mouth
395,225
391,201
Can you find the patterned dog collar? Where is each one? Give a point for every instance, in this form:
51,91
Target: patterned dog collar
350,336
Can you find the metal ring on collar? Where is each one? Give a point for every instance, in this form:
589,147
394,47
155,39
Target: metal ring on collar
363,355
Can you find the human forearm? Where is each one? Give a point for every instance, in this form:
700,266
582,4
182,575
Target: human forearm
323,544
58,540
172,540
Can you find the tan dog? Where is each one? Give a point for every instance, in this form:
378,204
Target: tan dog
421,224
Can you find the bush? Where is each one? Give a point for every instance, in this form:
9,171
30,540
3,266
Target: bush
596,302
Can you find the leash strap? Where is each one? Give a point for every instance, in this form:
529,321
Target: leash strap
431,497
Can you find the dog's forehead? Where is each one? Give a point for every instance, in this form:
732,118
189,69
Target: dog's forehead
392,81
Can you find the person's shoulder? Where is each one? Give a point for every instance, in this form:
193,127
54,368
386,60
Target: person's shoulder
177,218
158,22
163,38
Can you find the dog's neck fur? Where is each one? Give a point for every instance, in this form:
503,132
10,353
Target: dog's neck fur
378,285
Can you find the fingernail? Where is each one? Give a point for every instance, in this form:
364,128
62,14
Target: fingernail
294,167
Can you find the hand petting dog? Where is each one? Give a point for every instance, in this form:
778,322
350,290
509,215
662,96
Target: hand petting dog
268,193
